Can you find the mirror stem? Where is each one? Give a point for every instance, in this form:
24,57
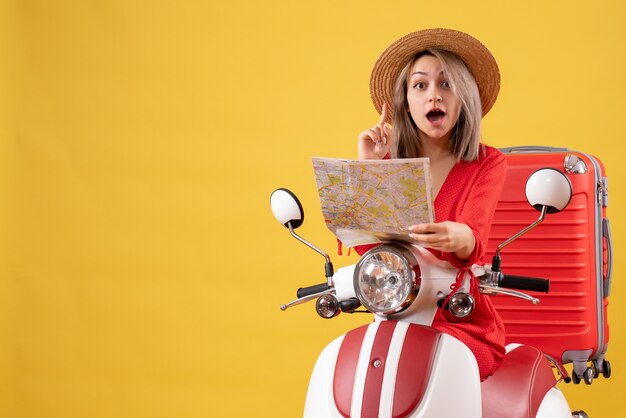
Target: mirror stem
523,231
329,270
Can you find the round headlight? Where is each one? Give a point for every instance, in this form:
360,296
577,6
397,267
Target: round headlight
384,280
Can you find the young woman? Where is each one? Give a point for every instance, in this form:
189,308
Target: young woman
435,85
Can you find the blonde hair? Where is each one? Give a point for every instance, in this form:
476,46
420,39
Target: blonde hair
465,138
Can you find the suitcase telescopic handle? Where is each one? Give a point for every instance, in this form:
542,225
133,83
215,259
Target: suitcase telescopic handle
524,283
606,232
531,148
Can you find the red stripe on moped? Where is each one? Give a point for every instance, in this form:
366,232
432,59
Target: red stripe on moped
345,369
376,370
414,368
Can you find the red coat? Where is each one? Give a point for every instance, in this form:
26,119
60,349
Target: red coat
469,195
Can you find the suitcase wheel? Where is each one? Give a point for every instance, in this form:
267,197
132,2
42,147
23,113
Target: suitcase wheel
596,368
587,376
605,369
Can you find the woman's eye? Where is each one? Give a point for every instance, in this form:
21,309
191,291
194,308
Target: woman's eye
419,85
446,84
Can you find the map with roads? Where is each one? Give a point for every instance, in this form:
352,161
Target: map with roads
369,201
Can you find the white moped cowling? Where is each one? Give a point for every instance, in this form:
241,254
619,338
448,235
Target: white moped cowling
398,365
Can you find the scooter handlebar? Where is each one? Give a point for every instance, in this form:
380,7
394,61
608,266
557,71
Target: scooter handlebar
524,283
311,290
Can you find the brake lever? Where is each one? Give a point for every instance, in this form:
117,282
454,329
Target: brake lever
305,299
494,290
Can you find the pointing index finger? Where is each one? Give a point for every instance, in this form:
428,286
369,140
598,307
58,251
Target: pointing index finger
384,114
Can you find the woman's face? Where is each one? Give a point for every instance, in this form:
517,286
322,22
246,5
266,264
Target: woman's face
433,105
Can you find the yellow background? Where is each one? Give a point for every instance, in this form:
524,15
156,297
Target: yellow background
141,268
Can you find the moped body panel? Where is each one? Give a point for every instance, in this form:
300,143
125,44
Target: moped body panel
394,369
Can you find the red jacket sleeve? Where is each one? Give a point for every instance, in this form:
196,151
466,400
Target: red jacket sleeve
477,210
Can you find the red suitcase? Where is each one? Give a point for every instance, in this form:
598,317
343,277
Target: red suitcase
571,248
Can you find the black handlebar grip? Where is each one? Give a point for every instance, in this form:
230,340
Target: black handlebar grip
524,283
311,290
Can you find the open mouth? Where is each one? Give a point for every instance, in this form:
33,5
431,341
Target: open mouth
435,115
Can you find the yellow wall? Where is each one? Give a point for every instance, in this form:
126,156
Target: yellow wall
141,270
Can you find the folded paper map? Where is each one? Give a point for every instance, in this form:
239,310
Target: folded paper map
370,201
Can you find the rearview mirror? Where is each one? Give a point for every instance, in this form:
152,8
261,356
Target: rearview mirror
286,208
550,188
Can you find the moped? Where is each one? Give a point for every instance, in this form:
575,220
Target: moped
398,365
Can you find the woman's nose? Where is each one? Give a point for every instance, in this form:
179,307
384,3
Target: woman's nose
435,96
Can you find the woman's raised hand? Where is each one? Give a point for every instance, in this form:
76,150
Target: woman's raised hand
376,142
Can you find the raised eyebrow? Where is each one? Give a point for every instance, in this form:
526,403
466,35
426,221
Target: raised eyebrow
424,73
